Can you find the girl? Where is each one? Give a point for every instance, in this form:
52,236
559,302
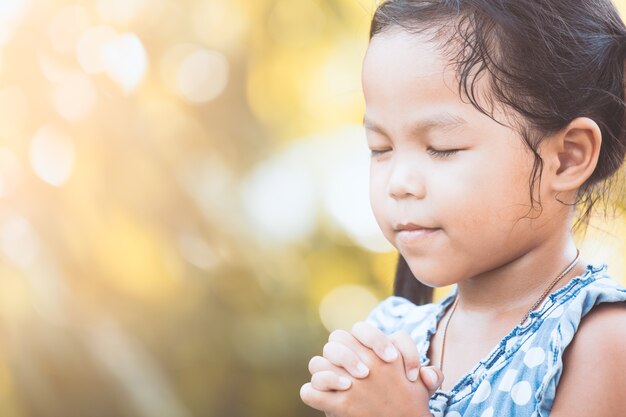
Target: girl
489,121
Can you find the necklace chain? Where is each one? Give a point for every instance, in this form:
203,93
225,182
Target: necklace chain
544,294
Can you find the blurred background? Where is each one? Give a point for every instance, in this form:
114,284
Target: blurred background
183,204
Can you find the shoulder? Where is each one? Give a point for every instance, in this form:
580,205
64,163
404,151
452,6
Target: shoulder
602,331
593,379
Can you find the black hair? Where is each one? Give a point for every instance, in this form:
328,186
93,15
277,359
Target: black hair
549,61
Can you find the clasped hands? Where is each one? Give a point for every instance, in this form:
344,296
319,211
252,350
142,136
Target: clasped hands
368,374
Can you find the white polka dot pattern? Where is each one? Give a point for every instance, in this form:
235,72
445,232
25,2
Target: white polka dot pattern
507,380
512,380
482,392
534,357
521,393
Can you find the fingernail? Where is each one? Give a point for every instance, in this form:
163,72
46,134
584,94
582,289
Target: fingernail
432,376
362,369
390,353
344,383
412,374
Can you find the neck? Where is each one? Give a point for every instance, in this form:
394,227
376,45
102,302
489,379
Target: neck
515,286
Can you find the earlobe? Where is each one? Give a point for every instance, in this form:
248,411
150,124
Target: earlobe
577,151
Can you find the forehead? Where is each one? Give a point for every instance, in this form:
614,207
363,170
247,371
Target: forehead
414,49
403,69
406,73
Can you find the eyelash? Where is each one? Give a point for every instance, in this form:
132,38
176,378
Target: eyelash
434,152
443,153
377,153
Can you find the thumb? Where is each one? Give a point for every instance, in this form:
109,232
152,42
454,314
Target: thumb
432,378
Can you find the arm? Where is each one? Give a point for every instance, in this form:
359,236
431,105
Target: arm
593,382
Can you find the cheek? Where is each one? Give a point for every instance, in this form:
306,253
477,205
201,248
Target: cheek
376,192
493,191
378,197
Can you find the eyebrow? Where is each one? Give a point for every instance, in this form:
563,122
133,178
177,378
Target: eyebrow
443,120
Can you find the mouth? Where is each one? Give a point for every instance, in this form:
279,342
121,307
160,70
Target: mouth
409,233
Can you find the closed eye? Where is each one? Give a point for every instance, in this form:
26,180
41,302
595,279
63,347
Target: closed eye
376,152
442,153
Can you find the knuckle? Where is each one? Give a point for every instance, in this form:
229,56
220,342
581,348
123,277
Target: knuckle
334,353
379,344
337,335
359,327
345,358
412,361
327,349
352,362
315,363
305,393
317,380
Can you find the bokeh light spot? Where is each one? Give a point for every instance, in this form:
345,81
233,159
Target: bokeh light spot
346,191
345,305
52,155
202,76
603,242
90,47
280,198
125,60
11,13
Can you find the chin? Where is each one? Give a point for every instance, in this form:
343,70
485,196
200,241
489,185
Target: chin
434,274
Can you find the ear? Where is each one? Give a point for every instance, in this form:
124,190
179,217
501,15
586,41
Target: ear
572,154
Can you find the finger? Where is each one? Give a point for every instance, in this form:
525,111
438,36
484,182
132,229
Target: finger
319,363
376,340
432,378
319,400
348,340
345,358
408,350
330,381
345,338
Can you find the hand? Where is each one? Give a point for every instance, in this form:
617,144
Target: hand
347,356
342,347
384,392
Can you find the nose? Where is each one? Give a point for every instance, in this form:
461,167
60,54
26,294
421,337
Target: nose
406,180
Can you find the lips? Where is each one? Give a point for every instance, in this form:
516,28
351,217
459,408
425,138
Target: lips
411,233
411,227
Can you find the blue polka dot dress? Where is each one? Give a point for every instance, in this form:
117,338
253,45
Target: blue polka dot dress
520,375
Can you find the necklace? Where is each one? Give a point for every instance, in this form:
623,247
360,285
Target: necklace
544,294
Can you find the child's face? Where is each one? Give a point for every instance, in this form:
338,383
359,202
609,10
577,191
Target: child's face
474,201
